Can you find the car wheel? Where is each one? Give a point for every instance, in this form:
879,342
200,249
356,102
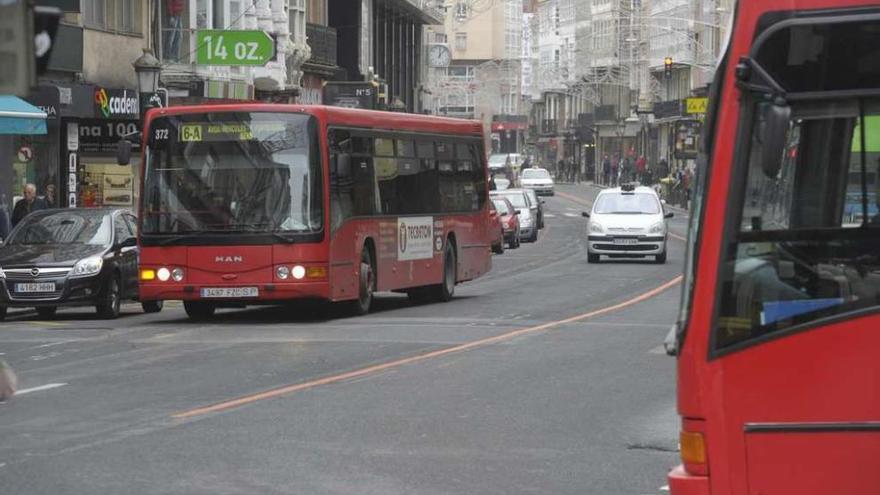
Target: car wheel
499,248
110,299
47,311
660,258
592,258
152,306
199,310
2,313
534,236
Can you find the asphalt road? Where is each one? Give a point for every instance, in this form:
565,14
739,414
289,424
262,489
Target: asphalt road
546,376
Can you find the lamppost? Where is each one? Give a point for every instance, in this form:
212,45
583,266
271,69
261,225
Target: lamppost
147,68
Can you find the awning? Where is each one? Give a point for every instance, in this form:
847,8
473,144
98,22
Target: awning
20,117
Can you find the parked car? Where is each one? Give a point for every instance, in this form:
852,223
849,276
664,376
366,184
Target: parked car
538,180
627,221
539,206
509,218
527,212
496,230
71,257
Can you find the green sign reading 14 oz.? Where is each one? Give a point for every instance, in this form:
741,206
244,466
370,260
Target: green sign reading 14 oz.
219,47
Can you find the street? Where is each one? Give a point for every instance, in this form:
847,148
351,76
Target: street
546,376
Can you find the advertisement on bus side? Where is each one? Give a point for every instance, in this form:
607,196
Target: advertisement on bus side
415,238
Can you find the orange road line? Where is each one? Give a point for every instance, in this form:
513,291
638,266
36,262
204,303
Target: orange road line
289,389
587,203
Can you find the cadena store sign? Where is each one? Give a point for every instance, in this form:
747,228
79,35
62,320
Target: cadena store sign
116,103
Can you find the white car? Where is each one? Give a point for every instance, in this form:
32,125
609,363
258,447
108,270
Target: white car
627,222
538,180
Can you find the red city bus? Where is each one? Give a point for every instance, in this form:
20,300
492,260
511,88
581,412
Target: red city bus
257,203
778,338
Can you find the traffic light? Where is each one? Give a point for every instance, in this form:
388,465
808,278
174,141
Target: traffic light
667,67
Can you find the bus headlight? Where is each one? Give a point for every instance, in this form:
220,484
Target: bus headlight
298,272
163,274
282,272
177,274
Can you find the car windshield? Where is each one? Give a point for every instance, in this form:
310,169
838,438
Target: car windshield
64,227
536,173
497,160
233,172
627,204
501,206
516,198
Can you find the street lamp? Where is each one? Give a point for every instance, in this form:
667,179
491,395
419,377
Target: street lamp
147,68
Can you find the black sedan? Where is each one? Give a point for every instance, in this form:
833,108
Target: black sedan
71,257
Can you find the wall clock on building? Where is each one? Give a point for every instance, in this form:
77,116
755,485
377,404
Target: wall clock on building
439,55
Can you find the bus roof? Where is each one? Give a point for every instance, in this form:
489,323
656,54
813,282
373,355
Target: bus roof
349,117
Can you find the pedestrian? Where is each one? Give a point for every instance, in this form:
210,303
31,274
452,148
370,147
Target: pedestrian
49,196
5,222
663,168
30,202
615,171
641,164
8,382
606,170
173,28
492,185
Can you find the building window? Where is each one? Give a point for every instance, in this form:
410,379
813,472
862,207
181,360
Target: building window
461,10
461,41
120,16
440,38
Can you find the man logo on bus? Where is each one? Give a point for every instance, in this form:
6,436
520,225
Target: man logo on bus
401,237
228,259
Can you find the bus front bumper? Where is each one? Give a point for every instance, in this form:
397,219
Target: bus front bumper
266,292
683,483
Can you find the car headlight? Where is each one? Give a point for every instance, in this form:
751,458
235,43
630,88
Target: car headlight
88,266
2,275
596,228
657,228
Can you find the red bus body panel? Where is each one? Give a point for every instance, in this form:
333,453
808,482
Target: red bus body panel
340,252
766,408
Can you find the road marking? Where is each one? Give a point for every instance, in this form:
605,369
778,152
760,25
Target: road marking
47,386
549,215
52,344
297,387
572,215
46,323
664,488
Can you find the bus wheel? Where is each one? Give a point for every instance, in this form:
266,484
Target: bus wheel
366,285
198,310
446,289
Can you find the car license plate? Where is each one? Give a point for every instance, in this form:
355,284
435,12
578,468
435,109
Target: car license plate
626,241
36,287
230,292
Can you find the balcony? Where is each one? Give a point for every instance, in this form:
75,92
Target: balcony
322,41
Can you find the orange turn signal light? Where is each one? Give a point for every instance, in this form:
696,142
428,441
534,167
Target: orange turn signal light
148,274
693,447
316,272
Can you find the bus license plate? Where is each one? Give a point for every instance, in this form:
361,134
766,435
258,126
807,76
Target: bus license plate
231,292
626,241
36,287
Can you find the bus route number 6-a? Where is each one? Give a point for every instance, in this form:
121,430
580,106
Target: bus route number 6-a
191,132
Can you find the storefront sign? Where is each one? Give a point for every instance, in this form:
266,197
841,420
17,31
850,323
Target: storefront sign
71,179
697,105
351,94
72,136
227,47
102,136
153,100
116,103
687,138
25,154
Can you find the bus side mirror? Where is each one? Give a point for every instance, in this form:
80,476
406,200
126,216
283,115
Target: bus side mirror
670,343
772,134
123,152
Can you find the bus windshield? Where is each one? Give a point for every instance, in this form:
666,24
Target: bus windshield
233,173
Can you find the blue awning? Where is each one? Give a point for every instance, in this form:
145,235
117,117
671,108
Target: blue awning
20,117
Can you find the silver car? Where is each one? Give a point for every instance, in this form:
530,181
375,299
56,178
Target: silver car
528,219
627,222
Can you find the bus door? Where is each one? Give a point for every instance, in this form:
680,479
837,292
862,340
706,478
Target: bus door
794,350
